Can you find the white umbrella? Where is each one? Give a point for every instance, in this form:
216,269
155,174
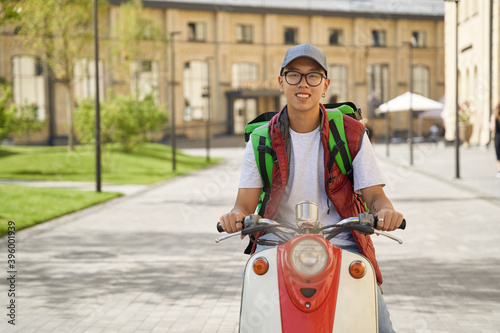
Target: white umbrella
406,101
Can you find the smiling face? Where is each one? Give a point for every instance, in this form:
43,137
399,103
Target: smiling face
302,97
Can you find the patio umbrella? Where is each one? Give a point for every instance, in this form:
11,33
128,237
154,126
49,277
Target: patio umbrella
409,101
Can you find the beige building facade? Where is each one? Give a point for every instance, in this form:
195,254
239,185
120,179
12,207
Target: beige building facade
478,64
221,63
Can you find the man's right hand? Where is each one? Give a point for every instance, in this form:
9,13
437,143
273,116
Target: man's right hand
246,203
233,221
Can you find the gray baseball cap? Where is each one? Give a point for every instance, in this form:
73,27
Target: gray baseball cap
305,50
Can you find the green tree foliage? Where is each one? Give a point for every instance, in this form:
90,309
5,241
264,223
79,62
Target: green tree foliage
16,119
124,120
8,11
6,124
58,32
136,36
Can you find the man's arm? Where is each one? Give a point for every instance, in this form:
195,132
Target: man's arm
246,202
381,206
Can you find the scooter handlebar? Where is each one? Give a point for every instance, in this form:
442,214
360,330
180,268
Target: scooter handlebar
401,226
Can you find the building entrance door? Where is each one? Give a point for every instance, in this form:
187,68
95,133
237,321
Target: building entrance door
244,110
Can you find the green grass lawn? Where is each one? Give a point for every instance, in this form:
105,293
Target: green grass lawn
27,206
151,163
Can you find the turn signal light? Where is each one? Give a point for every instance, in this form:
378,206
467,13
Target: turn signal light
357,269
260,266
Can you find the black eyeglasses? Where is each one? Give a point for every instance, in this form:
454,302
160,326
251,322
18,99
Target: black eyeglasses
313,79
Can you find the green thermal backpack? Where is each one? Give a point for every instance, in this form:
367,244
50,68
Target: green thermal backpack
265,155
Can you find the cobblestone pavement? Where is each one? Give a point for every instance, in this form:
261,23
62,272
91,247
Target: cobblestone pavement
147,262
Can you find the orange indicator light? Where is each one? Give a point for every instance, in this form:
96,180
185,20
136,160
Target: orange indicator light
357,269
260,266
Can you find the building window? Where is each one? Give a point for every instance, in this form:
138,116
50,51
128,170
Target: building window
290,35
378,38
337,91
244,33
336,37
420,80
418,39
84,79
244,74
145,79
378,76
197,32
195,86
28,84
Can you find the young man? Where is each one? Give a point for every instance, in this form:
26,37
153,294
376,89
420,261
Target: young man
299,134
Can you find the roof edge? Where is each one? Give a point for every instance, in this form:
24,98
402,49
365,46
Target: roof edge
280,11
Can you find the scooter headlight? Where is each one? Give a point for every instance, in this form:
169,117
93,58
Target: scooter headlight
309,257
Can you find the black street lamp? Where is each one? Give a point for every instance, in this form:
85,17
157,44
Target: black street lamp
457,139
172,98
410,127
97,104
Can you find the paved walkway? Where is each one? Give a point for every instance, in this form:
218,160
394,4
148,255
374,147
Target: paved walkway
148,263
126,189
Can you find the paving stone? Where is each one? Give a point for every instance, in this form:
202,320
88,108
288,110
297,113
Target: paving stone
147,262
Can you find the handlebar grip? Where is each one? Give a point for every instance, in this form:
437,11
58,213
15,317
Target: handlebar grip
401,226
219,227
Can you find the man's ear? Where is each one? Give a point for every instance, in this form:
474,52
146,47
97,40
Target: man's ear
327,83
280,83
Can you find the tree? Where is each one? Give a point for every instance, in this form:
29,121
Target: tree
57,31
125,120
6,124
16,119
8,11
135,37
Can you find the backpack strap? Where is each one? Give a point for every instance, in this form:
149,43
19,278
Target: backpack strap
265,157
260,120
347,108
338,145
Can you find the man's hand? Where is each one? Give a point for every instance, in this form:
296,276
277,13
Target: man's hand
388,219
246,202
381,207
233,221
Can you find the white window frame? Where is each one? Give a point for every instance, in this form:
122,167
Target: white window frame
29,84
244,33
197,31
145,79
84,79
195,86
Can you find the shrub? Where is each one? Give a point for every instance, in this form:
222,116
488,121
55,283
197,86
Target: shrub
17,119
125,120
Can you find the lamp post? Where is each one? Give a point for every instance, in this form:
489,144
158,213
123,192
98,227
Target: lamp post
410,127
97,106
172,97
457,140
207,94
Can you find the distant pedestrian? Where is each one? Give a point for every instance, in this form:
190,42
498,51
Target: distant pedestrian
495,128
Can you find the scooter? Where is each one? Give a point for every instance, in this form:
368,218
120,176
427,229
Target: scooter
304,283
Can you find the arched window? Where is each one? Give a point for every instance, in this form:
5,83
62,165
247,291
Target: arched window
421,79
337,91
145,79
84,79
195,86
28,83
244,73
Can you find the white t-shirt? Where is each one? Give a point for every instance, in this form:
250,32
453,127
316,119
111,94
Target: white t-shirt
307,179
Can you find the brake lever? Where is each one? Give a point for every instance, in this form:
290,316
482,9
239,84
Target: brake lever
382,233
221,238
